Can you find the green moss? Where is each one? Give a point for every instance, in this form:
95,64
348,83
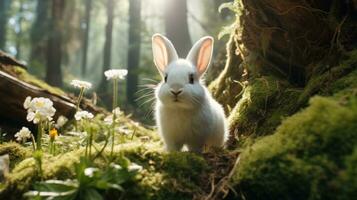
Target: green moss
347,181
264,103
164,175
333,80
25,76
16,152
305,153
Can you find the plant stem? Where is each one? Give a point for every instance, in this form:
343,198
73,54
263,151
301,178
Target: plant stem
33,142
115,101
115,93
39,136
79,98
90,142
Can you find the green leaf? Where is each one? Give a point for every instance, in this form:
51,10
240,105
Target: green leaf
91,194
68,195
56,185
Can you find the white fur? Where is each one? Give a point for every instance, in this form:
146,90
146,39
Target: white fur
193,117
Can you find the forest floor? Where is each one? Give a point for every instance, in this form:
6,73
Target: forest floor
158,174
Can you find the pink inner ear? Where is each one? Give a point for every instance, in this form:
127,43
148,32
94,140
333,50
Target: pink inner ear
204,56
160,53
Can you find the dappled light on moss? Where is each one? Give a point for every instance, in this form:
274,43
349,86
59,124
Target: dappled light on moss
305,153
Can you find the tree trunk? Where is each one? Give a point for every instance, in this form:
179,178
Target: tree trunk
4,6
86,36
108,44
39,35
176,25
19,33
134,49
54,55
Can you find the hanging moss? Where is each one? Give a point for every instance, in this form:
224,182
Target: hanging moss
226,88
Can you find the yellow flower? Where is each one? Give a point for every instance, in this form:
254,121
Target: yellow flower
53,133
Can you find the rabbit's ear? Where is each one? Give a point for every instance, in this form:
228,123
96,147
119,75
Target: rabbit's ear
201,53
164,52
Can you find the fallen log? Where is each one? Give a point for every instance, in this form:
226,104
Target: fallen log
14,90
13,93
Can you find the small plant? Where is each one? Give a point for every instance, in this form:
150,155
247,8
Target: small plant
23,135
40,111
61,121
90,182
84,117
82,85
53,133
37,155
115,75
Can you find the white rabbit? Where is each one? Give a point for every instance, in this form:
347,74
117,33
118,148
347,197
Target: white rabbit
185,112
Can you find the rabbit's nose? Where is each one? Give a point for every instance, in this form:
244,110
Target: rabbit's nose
177,92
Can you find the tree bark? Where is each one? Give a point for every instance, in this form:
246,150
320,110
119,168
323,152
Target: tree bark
107,55
39,35
88,9
54,55
176,25
134,49
4,6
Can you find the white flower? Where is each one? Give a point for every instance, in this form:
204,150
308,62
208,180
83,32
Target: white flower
81,84
62,120
39,109
27,102
116,112
116,73
115,166
83,115
23,134
108,120
135,167
90,171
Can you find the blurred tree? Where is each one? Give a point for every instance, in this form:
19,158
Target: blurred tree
4,7
54,49
176,25
19,29
39,35
107,54
134,49
88,8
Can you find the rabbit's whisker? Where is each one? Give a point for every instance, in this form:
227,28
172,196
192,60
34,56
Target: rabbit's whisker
144,96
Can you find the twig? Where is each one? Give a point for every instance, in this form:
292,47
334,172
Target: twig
223,183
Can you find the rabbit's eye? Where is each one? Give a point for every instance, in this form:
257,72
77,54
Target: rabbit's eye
191,78
165,78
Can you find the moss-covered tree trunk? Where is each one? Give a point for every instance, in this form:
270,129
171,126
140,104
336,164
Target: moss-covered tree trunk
280,55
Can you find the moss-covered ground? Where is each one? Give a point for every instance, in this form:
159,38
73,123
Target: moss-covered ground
180,175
